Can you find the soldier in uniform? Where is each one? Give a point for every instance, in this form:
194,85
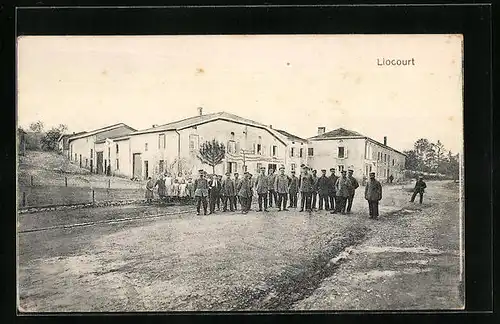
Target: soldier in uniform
149,190
332,192
236,182
419,189
293,188
215,187
342,189
315,190
281,187
250,199
262,188
228,193
323,187
200,188
352,189
244,192
373,194
272,193
306,185
160,183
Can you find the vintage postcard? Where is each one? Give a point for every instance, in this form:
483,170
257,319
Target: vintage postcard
240,173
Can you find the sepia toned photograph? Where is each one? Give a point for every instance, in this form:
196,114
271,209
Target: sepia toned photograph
240,173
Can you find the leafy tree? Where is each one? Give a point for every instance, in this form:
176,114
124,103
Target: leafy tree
212,153
50,139
439,156
37,127
411,162
63,128
421,148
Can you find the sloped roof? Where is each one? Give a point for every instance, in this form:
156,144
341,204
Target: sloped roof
339,132
291,136
100,130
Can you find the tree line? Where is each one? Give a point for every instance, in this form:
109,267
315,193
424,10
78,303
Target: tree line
37,138
430,157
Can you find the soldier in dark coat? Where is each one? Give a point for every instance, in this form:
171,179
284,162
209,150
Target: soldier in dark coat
293,188
314,193
373,194
342,189
332,192
352,189
262,187
281,187
244,192
306,185
149,190
272,192
236,183
214,193
200,188
323,187
160,183
419,189
228,193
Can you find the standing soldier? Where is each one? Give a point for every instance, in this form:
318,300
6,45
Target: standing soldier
160,183
419,189
332,192
272,193
373,194
215,187
149,190
262,188
281,188
306,185
293,188
323,185
228,193
244,192
352,189
315,190
237,181
342,189
200,188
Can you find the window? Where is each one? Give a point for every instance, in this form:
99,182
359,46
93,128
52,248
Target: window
341,152
109,152
392,162
301,152
259,149
145,146
76,157
117,149
117,164
292,166
310,151
91,153
231,146
193,142
385,157
341,168
161,141
274,150
86,162
160,167
292,151
259,165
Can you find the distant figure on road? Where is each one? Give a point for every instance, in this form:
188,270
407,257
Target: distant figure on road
342,188
262,187
272,192
201,192
306,185
293,188
315,190
352,189
244,192
160,183
228,193
373,194
281,187
332,192
149,190
323,185
419,189
391,178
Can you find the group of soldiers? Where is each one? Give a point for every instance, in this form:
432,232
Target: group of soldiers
331,193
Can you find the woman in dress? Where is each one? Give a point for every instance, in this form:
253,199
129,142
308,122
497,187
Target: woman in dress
149,190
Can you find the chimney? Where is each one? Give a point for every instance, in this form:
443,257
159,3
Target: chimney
321,130
385,140
200,111
154,125
271,126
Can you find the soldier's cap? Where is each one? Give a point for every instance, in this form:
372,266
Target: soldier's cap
235,173
420,176
344,171
293,172
228,173
314,171
282,168
262,168
372,173
350,170
200,171
323,170
332,169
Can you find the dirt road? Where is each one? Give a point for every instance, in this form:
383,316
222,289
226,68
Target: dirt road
229,261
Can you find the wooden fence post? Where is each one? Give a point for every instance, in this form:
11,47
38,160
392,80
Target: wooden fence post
66,181
31,180
93,197
24,198
109,183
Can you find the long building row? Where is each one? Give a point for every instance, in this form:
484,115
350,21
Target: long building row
121,150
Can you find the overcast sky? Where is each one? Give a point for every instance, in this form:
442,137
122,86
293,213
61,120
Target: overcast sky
296,83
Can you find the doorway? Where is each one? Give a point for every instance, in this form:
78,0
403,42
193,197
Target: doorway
146,170
271,166
137,165
100,159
